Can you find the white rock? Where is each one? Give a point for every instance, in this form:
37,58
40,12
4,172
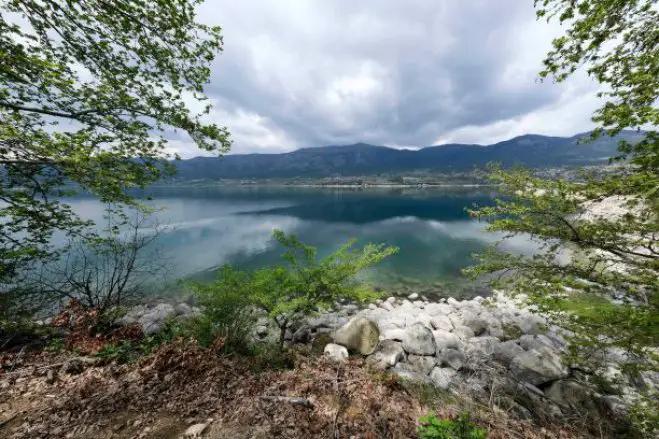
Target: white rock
195,431
336,353
455,319
387,306
473,322
183,309
538,367
425,320
391,300
387,354
413,296
531,324
452,358
539,341
442,377
152,321
408,375
392,321
420,364
359,334
445,340
464,333
482,346
495,331
393,334
441,322
407,306
506,351
433,309
569,393
419,340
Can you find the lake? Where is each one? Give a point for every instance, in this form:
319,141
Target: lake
210,226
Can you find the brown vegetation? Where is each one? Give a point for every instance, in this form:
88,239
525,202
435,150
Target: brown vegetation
179,384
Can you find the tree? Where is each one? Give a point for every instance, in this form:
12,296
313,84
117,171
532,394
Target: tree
597,269
299,287
101,270
90,90
106,270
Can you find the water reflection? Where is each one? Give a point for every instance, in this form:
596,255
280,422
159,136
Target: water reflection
211,226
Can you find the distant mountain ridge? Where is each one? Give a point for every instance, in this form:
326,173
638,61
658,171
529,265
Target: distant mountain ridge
363,159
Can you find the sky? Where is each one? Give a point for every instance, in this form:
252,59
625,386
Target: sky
413,73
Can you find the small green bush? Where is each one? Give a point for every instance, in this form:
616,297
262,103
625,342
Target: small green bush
228,315
298,287
459,428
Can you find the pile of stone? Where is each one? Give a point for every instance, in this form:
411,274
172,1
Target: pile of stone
497,352
152,318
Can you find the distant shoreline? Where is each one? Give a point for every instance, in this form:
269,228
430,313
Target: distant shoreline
336,185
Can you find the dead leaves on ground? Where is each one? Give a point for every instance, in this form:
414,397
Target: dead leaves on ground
191,384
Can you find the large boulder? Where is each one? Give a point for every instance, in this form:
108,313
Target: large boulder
425,320
393,334
538,367
531,324
529,342
473,322
336,353
506,351
573,395
359,334
387,306
446,340
442,377
442,322
387,354
420,364
452,358
410,376
419,340
464,333
153,320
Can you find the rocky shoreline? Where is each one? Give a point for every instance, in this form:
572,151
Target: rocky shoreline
495,351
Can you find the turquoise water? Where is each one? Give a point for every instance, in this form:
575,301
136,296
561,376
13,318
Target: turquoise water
210,226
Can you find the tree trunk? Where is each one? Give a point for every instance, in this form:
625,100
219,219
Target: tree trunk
282,335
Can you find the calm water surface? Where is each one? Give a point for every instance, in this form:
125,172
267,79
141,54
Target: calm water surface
210,226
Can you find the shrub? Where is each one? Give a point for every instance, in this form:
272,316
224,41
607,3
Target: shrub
228,315
298,287
459,428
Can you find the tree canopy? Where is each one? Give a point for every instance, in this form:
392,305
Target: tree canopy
90,92
596,270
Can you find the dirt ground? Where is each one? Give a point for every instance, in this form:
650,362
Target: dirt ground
179,385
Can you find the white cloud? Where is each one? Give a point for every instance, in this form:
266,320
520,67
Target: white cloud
296,73
569,115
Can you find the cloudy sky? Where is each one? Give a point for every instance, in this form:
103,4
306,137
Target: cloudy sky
304,73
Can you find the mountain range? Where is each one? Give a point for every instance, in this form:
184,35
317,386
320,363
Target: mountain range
531,150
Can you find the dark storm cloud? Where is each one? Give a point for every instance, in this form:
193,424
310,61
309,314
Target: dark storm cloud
310,73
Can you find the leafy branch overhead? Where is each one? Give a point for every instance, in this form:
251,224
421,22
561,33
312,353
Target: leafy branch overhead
89,92
617,42
597,236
